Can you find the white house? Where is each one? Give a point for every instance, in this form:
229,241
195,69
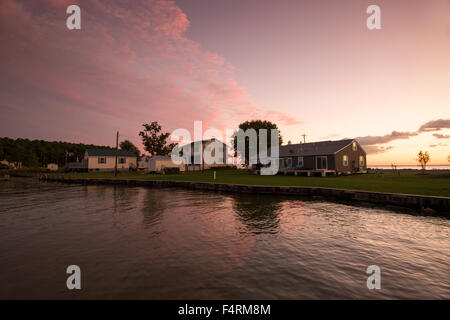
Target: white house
52,167
105,159
193,166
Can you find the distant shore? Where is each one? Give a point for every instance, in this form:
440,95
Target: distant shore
433,170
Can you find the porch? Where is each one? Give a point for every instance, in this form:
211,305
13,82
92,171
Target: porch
307,172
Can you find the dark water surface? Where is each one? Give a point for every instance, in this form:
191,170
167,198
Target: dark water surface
174,243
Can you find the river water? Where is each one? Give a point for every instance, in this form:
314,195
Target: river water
183,244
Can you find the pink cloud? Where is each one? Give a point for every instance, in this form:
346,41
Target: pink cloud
130,63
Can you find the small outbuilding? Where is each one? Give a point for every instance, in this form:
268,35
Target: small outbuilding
158,163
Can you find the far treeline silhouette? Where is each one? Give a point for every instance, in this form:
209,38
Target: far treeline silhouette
35,153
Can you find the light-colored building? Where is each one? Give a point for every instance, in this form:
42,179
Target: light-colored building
5,163
52,167
158,163
193,166
105,159
11,165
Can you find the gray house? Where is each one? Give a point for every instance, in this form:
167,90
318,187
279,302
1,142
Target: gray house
340,156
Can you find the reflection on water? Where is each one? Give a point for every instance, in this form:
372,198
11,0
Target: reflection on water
258,213
174,243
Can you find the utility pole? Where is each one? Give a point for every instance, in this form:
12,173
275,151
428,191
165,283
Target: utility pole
201,155
304,138
117,153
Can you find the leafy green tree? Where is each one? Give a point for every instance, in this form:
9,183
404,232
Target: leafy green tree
155,141
257,125
129,146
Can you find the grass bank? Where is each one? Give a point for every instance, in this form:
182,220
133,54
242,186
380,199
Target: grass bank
409,183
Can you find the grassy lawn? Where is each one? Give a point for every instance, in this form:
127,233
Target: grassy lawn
430,184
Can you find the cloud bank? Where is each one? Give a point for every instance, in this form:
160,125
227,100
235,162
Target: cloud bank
441,136
371,143
435,125
394,135
130,63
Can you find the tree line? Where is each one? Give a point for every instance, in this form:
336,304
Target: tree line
38,153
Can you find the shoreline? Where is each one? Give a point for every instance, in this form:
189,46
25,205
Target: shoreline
423,203
408,170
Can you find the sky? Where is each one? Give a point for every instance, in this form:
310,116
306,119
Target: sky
312,67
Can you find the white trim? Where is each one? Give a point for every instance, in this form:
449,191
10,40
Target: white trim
344,146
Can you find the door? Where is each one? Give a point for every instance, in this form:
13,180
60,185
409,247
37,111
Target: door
321,162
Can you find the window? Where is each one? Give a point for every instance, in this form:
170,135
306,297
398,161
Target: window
354,146
281,163
300,162
288,162
101,160
321,162
122,160
345,160
361,161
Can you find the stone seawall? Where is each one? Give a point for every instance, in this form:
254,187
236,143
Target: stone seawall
423,203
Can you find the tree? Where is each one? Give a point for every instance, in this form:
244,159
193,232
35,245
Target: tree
257,125
34,153
129,146
155,141
30,159
423,158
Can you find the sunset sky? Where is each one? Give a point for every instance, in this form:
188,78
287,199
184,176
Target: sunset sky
312,67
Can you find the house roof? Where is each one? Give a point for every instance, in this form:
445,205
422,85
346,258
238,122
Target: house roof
207,141
109,153
313,148
203,142
156,157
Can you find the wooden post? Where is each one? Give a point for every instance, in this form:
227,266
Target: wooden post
201,156
117,153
